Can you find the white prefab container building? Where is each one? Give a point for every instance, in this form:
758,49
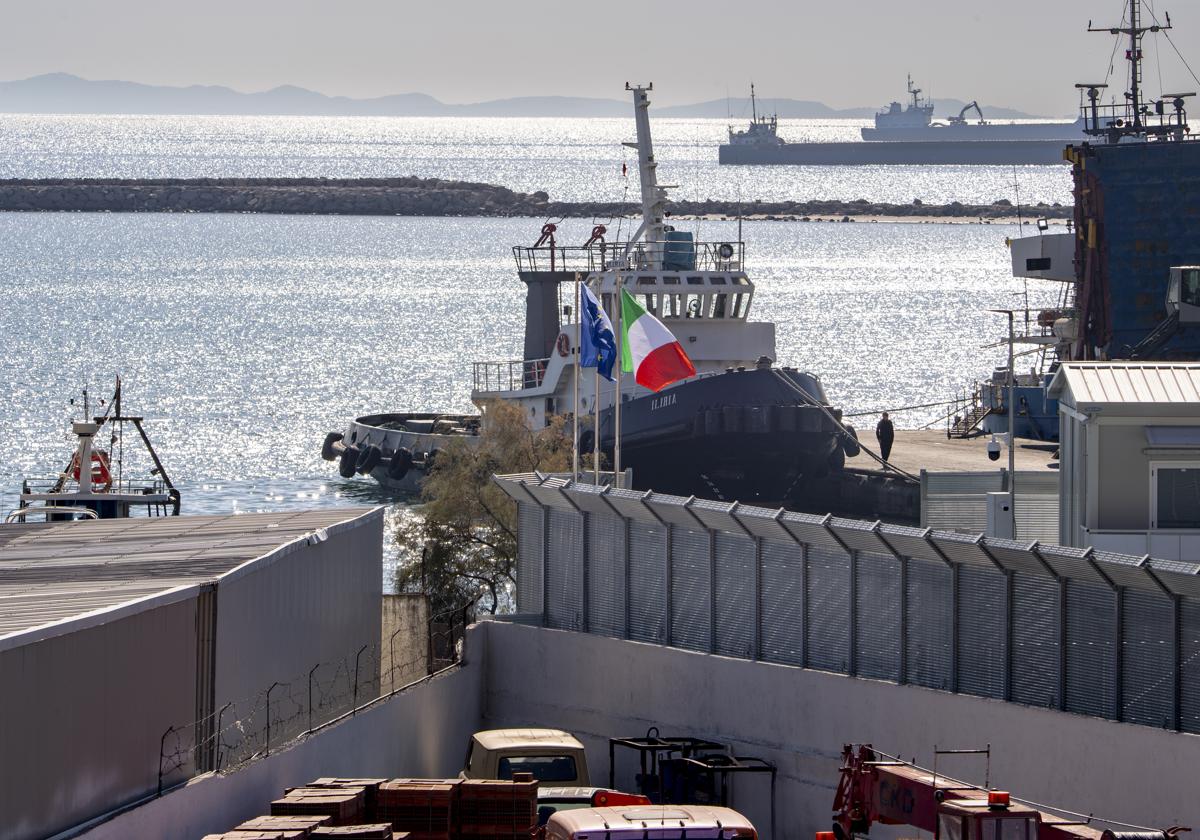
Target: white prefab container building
1130,457
135,653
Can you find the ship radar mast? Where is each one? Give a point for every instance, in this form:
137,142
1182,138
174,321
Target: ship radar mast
1133,118
654,197
753,105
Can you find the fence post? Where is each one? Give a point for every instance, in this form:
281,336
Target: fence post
712,590
354,708
903,619
1062,643
954,584
545,567
758,597
162,747
628,574
585,529
217,736
805,601
853,663
669,586
310,703
1118,655
1177,601
274,685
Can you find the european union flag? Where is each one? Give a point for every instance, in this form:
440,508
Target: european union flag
597,341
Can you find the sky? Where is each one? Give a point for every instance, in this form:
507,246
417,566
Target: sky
1020,53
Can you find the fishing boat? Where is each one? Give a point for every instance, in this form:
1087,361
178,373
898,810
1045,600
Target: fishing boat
95,483
762,132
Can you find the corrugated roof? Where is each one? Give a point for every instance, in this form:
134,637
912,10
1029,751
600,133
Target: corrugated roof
59,570
1099,383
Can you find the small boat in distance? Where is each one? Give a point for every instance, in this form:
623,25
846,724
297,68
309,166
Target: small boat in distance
762,131
94,484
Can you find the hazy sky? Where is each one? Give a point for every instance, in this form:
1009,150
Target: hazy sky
1024,53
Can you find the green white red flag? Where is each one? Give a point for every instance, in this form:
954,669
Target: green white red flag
648,349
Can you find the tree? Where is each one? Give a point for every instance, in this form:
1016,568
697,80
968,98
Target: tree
461,545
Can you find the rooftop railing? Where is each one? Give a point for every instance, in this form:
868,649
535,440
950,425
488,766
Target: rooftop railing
511,375
674,255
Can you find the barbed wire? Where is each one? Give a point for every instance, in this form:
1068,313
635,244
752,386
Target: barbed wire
243,730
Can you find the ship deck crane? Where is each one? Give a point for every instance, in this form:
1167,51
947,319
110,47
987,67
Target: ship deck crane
876,788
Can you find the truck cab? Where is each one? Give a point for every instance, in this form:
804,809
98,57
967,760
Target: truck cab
553,757
651,822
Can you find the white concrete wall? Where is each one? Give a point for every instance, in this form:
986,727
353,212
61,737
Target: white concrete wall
420,732
599,687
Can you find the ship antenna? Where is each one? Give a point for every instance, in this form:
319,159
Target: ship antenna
753,105
654,197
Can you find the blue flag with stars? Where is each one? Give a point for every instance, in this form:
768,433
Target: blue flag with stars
597,341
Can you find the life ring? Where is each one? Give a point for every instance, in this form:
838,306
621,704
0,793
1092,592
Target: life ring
850,444
563,344
725,251
101,474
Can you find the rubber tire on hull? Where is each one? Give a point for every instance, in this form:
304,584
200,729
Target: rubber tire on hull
369,459
431,459
349,463
850,444
400,464
327,452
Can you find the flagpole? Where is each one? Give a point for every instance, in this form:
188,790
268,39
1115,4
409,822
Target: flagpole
596,429
617,400
575,410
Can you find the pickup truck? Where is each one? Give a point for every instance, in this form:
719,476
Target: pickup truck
551,755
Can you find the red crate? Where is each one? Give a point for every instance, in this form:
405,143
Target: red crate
424,808
345,805
371,831
370,788
305,823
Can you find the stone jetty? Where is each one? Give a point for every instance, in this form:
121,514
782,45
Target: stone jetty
429,197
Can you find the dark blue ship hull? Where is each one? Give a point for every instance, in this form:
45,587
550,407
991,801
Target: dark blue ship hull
756,436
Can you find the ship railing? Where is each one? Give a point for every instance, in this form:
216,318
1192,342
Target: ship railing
655,255
1160,119
57,484
511,375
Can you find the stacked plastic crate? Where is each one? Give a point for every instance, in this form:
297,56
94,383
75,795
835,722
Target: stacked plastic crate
497,810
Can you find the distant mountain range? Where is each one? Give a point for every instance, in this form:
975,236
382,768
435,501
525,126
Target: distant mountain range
62,93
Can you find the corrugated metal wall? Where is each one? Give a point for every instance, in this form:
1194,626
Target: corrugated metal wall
1014,622
531,537
83,715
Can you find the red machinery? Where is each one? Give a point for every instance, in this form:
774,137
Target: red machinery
876,788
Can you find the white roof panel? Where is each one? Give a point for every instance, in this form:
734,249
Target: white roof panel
1123,383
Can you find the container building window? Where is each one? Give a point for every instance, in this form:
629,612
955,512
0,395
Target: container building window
1176,496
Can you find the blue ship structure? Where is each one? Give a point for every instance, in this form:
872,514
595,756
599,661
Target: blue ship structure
1127,268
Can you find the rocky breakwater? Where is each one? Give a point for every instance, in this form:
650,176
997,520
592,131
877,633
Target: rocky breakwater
426,197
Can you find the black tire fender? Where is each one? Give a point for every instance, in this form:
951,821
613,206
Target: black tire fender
349,462
400,464
327,450
850,444
369,459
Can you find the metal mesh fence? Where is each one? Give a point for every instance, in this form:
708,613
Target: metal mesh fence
1103,635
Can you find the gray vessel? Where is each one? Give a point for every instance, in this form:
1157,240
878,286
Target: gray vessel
908,134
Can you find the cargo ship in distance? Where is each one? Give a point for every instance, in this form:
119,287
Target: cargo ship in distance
908,134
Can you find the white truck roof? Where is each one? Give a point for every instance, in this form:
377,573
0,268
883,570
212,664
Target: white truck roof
701,822
499,739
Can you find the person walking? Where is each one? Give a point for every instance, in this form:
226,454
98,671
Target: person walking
885,434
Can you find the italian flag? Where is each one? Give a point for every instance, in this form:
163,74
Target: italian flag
648,349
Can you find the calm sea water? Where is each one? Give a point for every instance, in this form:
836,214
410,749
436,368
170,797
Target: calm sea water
244,339
573,160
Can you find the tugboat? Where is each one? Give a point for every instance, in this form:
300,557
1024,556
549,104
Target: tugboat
99,490
1128,286
741,428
